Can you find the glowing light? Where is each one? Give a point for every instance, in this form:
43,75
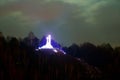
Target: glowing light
48,43
55,50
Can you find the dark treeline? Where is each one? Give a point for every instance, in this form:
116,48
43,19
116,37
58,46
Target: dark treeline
104,57
20,61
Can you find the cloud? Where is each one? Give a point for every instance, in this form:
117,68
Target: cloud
36,10
76,20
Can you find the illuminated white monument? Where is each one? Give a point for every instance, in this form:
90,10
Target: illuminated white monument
48,43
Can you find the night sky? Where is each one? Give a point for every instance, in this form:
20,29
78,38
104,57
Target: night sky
69,21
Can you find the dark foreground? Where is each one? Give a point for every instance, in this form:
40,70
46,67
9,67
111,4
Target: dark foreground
21,62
